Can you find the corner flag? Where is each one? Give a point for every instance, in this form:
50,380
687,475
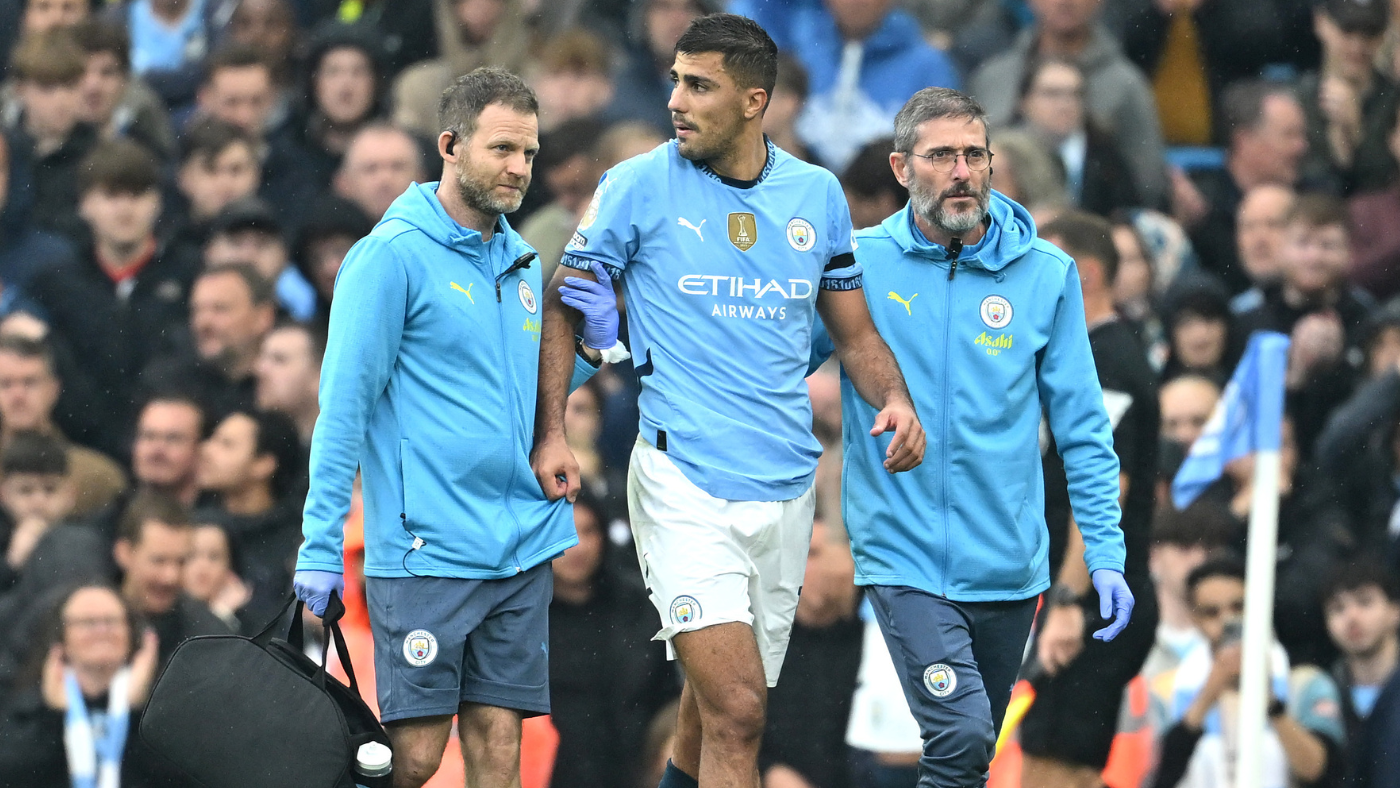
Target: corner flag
1247,418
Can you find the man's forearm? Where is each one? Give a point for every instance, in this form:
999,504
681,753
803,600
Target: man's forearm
1307,756
871,365
556,365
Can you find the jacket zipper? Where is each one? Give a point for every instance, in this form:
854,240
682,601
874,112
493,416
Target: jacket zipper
520,262
523,261
943,404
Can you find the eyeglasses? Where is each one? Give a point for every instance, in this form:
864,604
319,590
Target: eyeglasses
945,159
95,622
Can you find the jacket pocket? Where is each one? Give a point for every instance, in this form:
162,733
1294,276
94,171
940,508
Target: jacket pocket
454,496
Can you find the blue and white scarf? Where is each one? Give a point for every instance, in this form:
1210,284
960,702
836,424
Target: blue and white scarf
95,742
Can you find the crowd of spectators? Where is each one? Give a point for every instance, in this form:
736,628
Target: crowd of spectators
181,179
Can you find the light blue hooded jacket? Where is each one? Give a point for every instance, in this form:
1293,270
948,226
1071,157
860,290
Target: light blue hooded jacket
984,351
428,386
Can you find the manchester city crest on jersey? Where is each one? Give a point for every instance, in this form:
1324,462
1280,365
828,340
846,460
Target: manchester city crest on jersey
743,230
800,234
684,610
940,680
591,214
996,311
420,648
527,297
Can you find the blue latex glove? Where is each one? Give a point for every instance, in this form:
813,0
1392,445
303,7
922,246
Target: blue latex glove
314,587
598,304
1114,599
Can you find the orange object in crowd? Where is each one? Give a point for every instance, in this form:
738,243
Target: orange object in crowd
1129,762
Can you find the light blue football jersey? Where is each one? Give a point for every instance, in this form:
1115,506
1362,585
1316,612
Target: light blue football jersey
720,279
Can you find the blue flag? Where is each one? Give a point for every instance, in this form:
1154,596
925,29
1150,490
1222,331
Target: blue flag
1248,417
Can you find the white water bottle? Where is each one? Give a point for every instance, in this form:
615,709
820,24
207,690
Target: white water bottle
373,760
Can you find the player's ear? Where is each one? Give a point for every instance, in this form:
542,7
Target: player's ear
447,146
898,161
757,103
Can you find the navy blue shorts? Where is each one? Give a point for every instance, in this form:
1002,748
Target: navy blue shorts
440,642
957,663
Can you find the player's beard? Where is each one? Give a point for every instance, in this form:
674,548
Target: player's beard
713,143
929,206
477,190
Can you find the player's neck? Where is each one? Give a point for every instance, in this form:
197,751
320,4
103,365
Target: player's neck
1375,668
746,159
1098,308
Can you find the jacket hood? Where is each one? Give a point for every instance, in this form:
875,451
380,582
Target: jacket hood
420,207
1009,235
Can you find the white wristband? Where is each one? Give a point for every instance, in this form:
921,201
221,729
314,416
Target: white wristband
615,353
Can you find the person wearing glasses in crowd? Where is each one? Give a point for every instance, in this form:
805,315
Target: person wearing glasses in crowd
987,322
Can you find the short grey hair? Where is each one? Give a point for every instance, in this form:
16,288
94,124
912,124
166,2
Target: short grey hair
462,102
933,104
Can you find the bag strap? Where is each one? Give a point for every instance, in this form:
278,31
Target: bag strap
265,634
296,636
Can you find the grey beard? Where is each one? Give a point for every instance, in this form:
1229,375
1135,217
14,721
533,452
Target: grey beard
483,201
930,207
958,223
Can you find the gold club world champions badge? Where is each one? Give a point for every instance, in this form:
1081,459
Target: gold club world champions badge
743,230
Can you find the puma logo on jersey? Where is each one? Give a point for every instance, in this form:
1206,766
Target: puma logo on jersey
465,290
895,297
685,223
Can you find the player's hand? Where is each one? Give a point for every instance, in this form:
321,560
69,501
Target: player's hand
1061,637
314,587
556,469
906,449
597,302
143,668
1114,600
51,680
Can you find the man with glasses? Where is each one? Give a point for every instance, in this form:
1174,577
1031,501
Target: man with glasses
987,322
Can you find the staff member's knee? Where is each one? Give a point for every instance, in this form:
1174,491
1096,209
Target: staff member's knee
490,738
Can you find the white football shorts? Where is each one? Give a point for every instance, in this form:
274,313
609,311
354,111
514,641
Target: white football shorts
710,561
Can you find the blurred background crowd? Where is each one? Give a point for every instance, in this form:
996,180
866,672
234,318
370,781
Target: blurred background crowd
180,180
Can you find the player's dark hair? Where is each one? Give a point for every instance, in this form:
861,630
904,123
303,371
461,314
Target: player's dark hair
1201,524
260,288
1320,210
869,173
1242,104
177,397
208,137
31,451
933,104
24,347
315,336
48,59
150,506
276,436
234,56
95,36
1224,564
1359,573
1080,234
792,76
461,104
749,54
119,167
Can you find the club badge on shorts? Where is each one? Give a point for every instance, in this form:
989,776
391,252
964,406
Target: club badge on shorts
420,648
940,680
996,311
685,610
